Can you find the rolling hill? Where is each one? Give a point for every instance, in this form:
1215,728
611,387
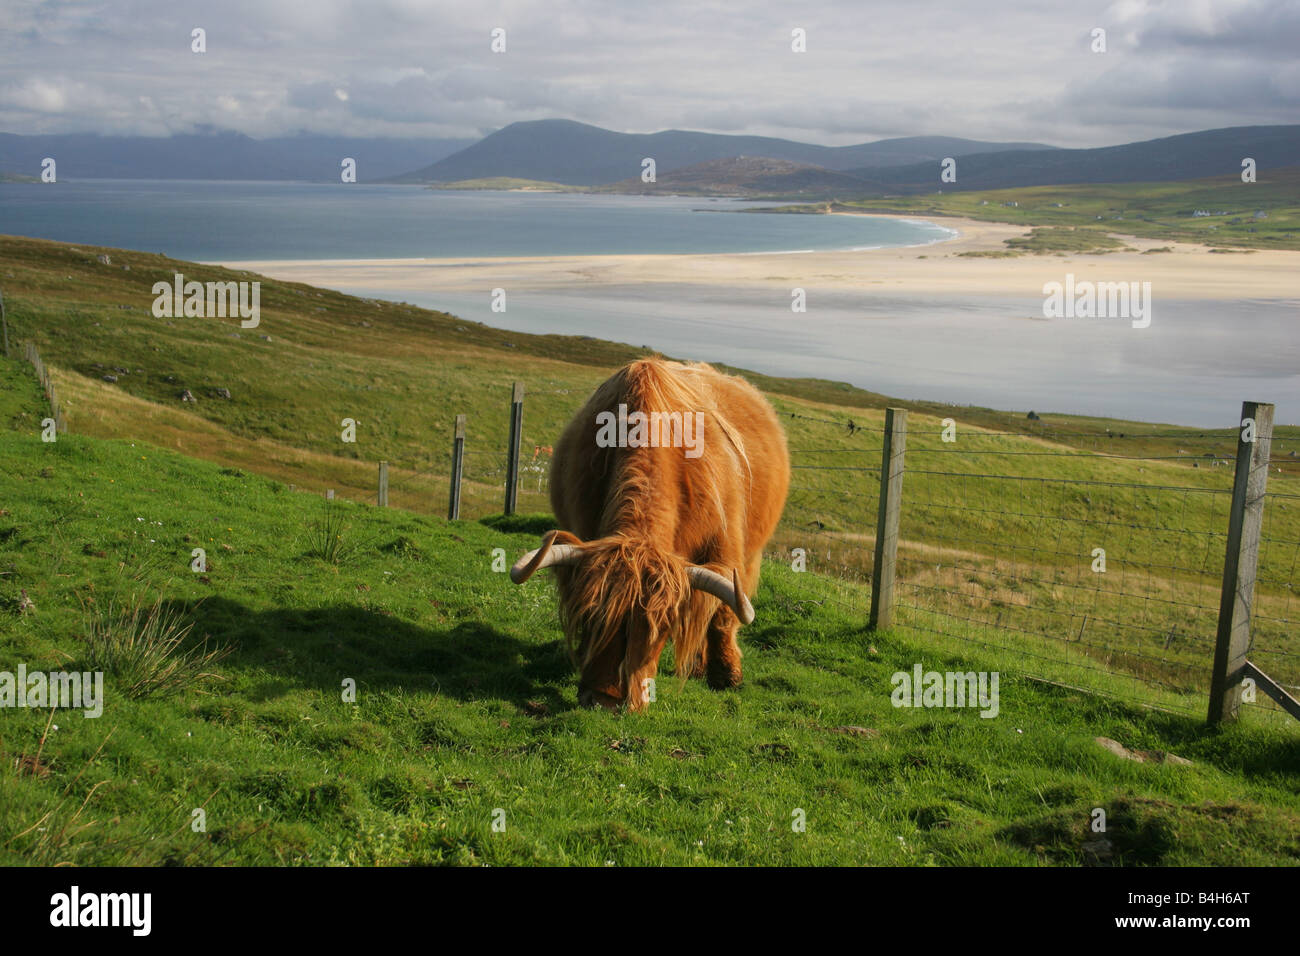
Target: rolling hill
215,154
577,154
1205,154
746,176
701,163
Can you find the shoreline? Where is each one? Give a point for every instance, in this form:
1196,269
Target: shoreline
943,266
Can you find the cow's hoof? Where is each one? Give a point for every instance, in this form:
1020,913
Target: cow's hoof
723,679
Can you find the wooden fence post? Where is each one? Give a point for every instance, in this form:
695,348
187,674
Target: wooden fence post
887,517
457,468
383,484
512,450
1244,521
4,323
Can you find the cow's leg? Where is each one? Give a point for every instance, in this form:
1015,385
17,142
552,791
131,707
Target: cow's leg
638,690
601,683
723,663
750,579
701,663
700,621
642,666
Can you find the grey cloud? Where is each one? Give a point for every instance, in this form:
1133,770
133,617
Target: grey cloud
1004,69
1255,28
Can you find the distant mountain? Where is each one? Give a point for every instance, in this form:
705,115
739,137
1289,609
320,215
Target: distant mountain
1200,155
747,176
917,149
576,154
218,155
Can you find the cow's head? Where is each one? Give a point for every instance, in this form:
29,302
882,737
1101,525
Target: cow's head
621,599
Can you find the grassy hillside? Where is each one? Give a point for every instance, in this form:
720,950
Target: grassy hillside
402,374
466,706
1151,210
466,701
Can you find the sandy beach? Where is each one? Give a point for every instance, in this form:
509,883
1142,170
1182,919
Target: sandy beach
1187,272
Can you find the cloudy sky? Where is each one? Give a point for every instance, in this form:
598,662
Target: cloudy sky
985,69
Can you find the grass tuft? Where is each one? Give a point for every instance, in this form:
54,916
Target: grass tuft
325,535
144,648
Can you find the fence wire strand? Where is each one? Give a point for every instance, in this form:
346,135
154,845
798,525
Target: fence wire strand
1036,543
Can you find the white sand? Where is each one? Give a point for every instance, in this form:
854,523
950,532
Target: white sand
1189,272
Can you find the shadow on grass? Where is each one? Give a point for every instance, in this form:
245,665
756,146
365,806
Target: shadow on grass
537,524
320,647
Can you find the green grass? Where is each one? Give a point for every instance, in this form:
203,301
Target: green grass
1065,239
325,534
466,702
404,373
146,648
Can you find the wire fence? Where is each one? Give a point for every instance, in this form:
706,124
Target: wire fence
829,524
1275,622
424,484
48,388
1074,580
1052,559
1093,559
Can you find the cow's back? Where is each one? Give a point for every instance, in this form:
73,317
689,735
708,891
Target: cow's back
737,486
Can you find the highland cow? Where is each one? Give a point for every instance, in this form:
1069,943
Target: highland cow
661,533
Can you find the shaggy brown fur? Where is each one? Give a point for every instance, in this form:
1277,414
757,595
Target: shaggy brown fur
642,515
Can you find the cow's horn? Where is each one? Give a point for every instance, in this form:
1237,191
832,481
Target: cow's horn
548,555
729,593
